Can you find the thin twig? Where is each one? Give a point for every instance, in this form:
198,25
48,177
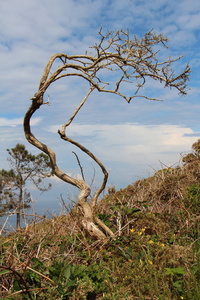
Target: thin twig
79,165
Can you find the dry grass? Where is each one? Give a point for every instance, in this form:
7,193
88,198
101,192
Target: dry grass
155,254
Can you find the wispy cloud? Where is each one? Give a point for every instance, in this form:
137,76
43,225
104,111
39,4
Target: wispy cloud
125,142
11,123
5,122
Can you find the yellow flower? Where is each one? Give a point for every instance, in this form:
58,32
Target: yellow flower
132,230
150,242
163,245
182,297
130,260
150,262
140,232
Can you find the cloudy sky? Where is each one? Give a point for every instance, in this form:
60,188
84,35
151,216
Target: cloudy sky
132,140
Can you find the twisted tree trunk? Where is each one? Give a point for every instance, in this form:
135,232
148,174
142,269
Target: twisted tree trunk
134,60
89,220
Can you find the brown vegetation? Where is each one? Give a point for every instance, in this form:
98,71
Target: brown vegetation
155,254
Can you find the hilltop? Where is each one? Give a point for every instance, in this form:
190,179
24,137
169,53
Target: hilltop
155,253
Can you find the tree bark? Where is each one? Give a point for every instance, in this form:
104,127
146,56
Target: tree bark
89,218
18,209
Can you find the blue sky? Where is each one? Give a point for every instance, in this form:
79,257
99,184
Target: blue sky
132,139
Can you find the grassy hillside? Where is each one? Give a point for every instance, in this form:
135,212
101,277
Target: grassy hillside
155,253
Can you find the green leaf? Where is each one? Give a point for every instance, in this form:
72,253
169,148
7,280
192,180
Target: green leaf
53,271
129,211
194,270
16,286
169,271
62,248
173,271
178,284
179,271
66,272
60,289
4,272
116,207
71,283
37,262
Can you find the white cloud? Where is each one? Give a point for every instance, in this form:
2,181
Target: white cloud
189,21
78,176
5,122
10,122
55,180
127,150
123,141
35,121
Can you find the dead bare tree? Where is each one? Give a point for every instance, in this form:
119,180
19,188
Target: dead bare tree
131,60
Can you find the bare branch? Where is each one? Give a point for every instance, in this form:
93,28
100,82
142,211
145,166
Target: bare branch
76,111
123,60
79,165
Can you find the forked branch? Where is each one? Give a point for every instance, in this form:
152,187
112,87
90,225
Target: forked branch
130,60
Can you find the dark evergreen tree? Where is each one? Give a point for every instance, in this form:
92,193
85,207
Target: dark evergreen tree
24,167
